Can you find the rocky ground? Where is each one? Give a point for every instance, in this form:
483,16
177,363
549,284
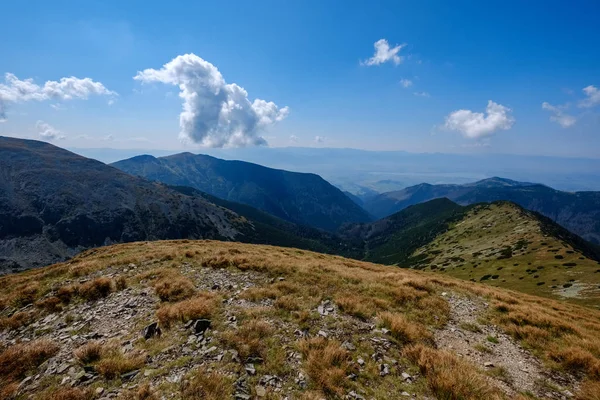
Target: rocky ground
262,310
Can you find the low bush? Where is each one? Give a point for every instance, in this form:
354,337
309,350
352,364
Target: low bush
96,288
174,288
327,365
202,305
207,386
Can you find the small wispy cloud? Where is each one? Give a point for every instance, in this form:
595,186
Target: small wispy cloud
384,53
422,94
592,99
406,82
559,116
319,139
293,138
48,132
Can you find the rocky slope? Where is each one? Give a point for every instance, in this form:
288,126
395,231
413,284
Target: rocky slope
577,211
215,320
305,199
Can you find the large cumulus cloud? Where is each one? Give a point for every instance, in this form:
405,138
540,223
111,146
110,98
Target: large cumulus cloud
215,113
475,125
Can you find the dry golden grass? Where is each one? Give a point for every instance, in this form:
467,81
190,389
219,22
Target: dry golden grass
88,353
249,339
66,293
449,377
113,363
17,360
143,392
403,330
174,288
589,390
26,294
327,364
17,320
50,304
565,336
70,394
96,288
206,385
202,305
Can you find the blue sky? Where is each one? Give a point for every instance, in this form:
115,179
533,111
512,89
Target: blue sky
311,57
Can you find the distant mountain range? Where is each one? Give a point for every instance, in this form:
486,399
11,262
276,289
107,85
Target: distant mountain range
53,204
577,211
305,199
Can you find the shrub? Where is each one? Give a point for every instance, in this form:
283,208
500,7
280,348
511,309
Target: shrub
96,289
88,353
327,364
174,288
288,303
201,306
207,386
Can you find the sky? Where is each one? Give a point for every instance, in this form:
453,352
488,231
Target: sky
507,77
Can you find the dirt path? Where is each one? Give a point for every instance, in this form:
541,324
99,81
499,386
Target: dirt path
510,367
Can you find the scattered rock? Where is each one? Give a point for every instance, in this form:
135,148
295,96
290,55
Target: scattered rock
151,330
201,325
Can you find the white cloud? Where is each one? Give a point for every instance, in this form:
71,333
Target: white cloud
383,53
215,113
475,125
111,102
48,132
319,139
293,138
593,97
14,90
422,94
406,82
2,111
559,116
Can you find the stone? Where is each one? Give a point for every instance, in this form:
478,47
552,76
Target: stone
406,376
348,346
384,369
201,325
151,331
488,364
99,391
261,391
250,369
129,375
255,360
360,362
323,334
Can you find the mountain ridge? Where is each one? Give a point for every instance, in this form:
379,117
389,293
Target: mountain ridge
576,211
302,198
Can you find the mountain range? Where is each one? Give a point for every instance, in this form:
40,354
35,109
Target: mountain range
577,211
54,203
305,199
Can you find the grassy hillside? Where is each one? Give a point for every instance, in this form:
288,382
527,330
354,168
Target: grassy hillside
503,245
577,211
280,322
